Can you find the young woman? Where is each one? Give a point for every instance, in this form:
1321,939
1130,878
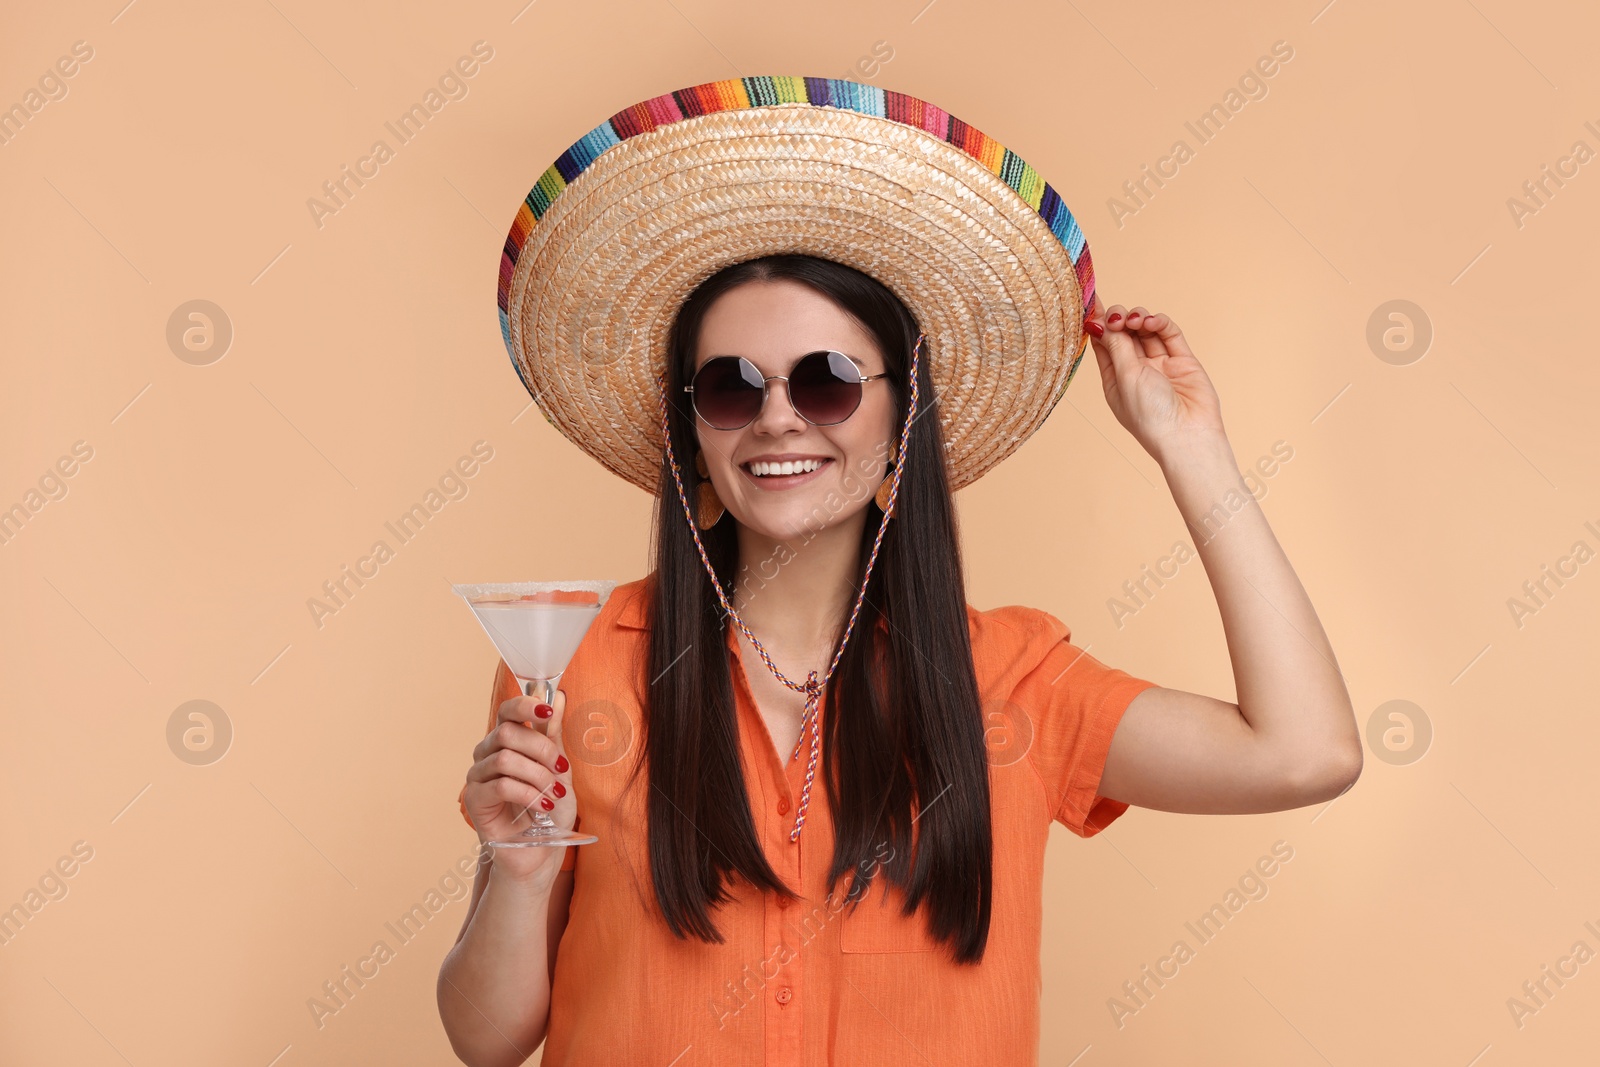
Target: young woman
815,846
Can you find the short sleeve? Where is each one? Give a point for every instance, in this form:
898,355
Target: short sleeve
1075,703
505,687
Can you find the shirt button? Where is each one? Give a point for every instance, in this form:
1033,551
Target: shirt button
783,805
783,902
783,996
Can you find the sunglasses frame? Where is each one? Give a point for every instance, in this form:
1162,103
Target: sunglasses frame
766,389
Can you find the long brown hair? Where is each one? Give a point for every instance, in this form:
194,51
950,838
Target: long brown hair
903,736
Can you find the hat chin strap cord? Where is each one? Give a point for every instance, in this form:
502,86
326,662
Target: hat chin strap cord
813,686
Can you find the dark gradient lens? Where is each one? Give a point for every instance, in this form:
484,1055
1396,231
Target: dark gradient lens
727,392
825,388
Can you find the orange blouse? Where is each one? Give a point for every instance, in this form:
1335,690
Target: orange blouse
804,984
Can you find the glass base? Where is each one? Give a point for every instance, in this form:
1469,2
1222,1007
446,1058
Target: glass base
536,836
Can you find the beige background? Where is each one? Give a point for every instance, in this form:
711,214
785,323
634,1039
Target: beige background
366,358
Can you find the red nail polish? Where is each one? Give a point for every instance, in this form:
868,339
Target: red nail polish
559,790
544,711
547,804
1094,328
1113,317
561,765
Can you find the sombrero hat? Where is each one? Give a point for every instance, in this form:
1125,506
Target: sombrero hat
640,210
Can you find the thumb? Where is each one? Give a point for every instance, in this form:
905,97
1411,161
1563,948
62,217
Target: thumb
1102,357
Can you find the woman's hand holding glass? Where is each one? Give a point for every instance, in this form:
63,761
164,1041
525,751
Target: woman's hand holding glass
520,764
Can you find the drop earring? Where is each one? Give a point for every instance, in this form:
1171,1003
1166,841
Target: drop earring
881,498
710,510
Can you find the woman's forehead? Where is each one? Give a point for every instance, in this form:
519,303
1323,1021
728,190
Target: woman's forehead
774,323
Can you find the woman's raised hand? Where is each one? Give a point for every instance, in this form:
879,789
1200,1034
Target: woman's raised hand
521,764
1153,383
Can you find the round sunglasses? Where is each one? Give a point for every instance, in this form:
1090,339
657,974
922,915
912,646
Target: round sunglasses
824,388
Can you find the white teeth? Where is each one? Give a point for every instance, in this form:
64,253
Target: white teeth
788,467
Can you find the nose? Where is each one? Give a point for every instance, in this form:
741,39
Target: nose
777,414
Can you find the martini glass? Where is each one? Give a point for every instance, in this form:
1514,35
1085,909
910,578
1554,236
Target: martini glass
537,626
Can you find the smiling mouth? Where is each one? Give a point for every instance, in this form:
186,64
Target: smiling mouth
763,469
774,476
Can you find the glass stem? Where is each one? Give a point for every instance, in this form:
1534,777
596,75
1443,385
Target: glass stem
544,691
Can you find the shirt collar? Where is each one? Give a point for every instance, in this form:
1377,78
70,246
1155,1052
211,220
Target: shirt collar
634,611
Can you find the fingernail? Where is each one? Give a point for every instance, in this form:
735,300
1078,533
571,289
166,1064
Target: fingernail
1113,317
547,804
544,711
561,765
1094,328
559,790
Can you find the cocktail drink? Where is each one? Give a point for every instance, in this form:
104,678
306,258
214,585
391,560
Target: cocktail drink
536,627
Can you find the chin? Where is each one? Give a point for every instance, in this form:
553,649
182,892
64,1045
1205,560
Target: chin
799,520
782,527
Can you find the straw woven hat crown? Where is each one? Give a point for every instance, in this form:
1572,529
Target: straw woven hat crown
647,205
